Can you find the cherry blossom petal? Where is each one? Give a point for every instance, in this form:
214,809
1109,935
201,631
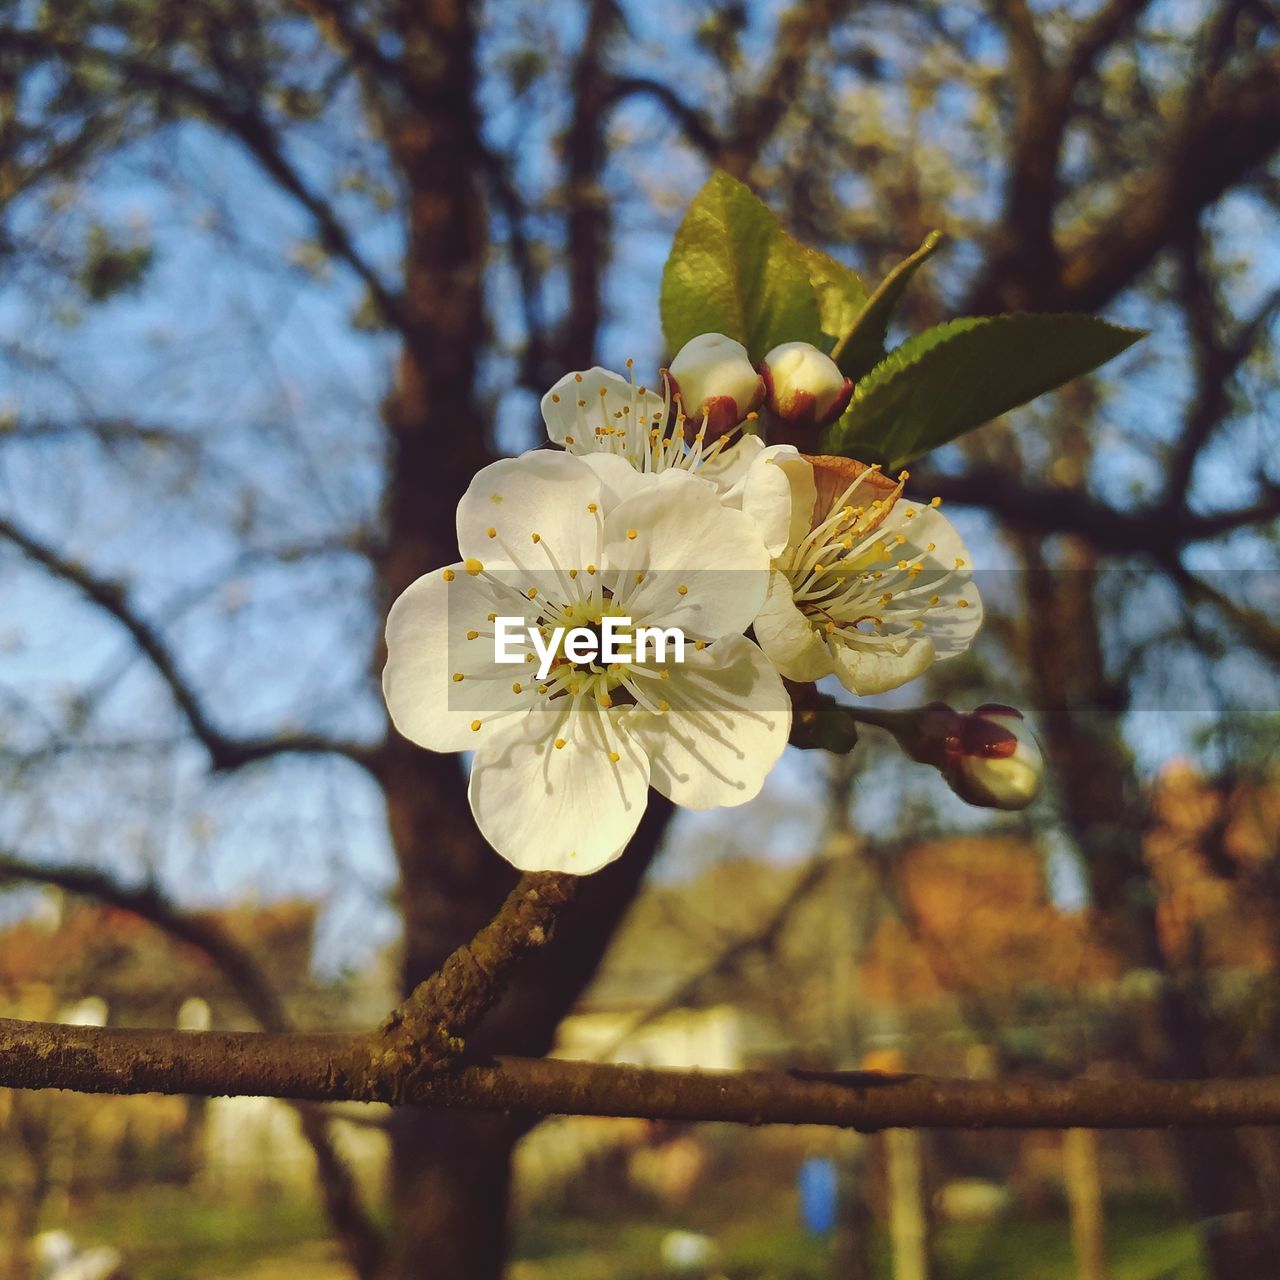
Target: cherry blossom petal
542,492
677,534
571,808
878,667
438,630
574,409
727,723
789,638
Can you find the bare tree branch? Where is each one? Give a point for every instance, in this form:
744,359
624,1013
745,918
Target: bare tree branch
333,1068
697,129
242,121
760,110
225,751
1042,510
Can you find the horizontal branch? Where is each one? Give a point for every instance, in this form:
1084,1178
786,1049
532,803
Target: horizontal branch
334,1068
1041,509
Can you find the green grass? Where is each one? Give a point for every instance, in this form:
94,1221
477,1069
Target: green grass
170,1234
1144,1243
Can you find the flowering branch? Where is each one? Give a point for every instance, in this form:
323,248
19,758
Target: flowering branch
333,1068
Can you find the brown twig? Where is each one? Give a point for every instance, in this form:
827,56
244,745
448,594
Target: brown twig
426,1031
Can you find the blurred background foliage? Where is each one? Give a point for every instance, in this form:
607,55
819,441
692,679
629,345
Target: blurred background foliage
275,278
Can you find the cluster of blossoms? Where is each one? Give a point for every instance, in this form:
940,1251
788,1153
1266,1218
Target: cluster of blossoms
665,511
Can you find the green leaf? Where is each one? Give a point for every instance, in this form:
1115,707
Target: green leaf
840,292
733,270
955,377
861,346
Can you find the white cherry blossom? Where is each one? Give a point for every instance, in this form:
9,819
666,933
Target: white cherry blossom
865,585
562,766
595,413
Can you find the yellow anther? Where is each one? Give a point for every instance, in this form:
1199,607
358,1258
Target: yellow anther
555,399
682,590
537,537
664,674
517,687
935,502
959,562
699,645
573,573
475,724
457,677
492,617
664,705
591,506
604,391
473,566
560,744
591,568
888,595
577,377
569,440
918,624
471,635
630,363
962,604
614,757
491,531
632,534
604,700
935,599
448,575
639,577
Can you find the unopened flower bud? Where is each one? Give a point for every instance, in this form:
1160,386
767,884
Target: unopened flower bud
804,387
995,761
715,381
989,757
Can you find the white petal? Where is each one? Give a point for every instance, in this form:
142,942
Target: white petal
568,809
950,625
788,637
778,493
880,667
729,467
728,723
621,406
678,534
542,492
428,645
619,480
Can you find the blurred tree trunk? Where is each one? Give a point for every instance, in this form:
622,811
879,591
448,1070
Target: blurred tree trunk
451,1171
